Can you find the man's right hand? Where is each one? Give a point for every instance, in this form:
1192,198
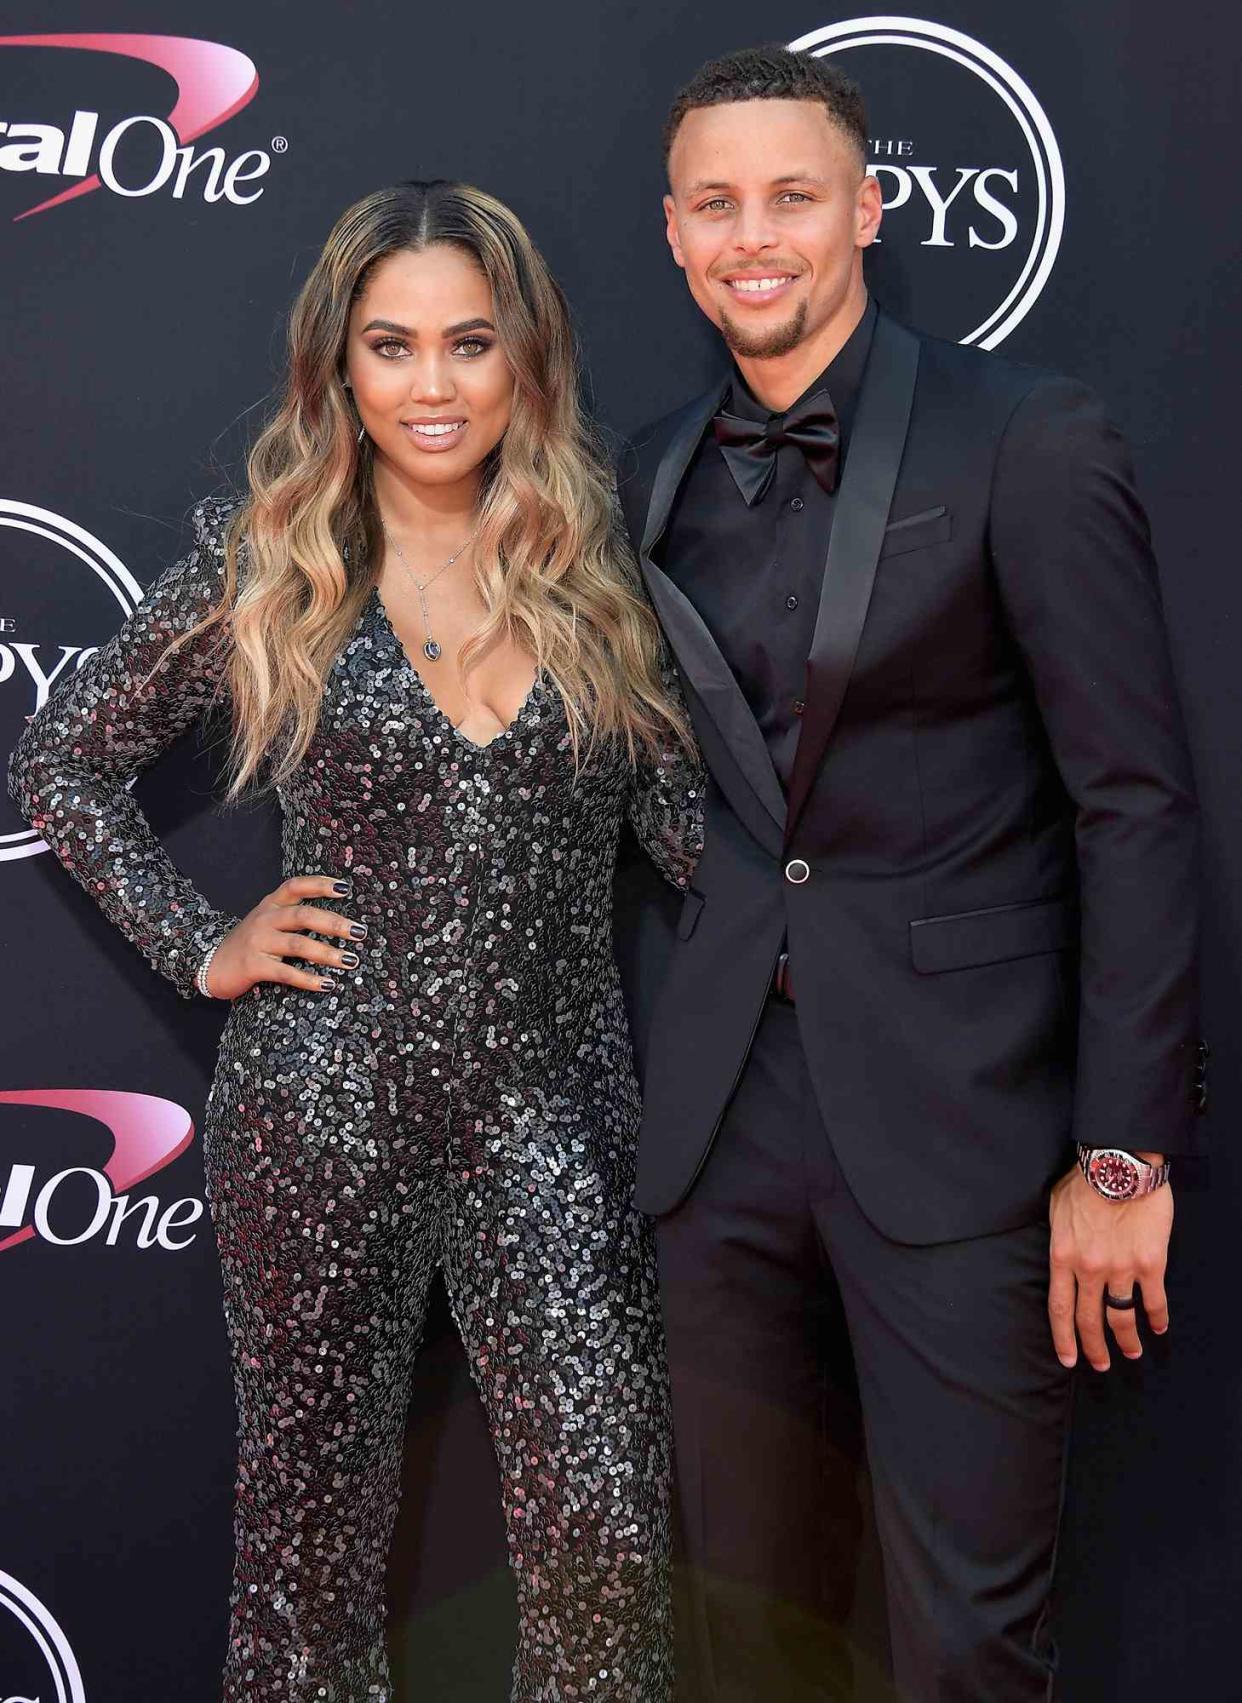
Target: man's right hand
278,928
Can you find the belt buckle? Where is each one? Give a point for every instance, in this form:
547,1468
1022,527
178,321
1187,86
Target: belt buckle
780,979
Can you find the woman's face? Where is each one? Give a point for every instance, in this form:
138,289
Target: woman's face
433,388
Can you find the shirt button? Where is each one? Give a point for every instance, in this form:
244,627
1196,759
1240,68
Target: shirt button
799,704
796,504
797,870
791,602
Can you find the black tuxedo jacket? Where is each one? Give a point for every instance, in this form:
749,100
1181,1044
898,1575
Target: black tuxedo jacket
994,950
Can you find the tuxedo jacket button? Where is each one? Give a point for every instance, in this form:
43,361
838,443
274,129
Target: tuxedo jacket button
797,870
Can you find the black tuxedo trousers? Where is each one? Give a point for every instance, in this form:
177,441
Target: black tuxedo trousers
985,874
964,1406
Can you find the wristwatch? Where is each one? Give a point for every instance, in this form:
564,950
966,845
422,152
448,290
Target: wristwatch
1119,1175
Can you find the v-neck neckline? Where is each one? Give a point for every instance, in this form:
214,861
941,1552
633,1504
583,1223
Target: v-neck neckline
421,685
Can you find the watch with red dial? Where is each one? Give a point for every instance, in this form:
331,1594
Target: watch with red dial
1119,1175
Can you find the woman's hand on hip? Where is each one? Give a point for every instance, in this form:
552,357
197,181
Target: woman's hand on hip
279,927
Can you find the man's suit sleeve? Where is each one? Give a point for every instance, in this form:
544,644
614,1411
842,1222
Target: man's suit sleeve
1072,555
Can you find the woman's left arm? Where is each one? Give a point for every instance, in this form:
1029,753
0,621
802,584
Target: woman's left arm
665,804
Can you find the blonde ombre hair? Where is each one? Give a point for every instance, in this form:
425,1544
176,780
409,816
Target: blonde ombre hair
550,563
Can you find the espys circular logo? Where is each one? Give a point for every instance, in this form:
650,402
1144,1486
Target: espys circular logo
34,1652
974,189
34,652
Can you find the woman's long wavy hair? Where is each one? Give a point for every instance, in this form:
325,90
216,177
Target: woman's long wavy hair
551,564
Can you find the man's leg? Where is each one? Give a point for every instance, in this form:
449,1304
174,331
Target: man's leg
769,1505
966,1411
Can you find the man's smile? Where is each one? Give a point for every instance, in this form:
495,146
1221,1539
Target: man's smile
759,288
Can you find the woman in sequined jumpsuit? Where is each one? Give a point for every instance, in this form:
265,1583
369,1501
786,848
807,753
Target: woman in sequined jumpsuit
456,1091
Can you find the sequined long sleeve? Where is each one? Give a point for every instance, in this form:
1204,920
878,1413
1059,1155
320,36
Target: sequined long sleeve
665,804
70,770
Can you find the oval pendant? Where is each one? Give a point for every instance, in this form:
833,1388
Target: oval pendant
431,651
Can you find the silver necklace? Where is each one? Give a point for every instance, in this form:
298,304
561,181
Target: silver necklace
431,647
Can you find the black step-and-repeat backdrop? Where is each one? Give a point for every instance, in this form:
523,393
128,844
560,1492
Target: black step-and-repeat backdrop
1054,183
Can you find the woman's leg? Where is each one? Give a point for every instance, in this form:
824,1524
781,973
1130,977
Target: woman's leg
551,1277
327,1221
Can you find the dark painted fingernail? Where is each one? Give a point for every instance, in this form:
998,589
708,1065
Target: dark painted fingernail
341,887
328,986
357,931
350,960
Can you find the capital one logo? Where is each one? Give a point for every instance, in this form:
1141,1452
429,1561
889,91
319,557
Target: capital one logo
974,188
80,1203
35,1655
38,613
142,154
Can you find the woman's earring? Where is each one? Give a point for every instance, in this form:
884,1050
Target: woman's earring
362,432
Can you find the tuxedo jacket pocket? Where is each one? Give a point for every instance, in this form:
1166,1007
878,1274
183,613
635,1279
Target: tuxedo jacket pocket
929,526
991,936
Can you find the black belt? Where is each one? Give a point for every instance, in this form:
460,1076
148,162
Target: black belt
782,986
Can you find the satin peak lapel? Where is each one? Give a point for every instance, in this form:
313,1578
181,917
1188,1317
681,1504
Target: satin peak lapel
693,645
863,502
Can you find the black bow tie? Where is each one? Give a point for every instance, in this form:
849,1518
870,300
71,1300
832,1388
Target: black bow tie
749,446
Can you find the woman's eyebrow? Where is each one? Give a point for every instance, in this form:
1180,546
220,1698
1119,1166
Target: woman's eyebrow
479,324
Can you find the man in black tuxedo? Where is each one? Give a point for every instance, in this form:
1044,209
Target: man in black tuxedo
943,930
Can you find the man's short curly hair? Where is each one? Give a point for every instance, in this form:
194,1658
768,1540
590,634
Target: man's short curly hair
773,74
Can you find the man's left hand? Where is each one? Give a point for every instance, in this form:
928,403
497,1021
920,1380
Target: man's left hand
1102,1247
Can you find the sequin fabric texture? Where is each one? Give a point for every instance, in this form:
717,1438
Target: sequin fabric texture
465,1099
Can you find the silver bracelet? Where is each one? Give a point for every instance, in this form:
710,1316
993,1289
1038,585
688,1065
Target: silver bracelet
200,980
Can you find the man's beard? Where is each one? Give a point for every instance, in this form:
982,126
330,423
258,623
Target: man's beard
765,345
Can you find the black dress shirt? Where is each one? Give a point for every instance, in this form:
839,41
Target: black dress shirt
754,574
